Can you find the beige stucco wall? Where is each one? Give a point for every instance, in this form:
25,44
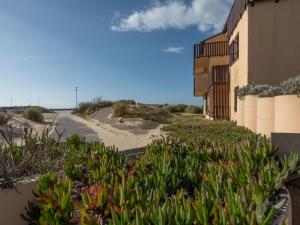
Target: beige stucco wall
250,107
274,41
265,116
287,114
239,70
241,111
13,202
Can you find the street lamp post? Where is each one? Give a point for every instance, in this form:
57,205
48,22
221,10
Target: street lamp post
76,90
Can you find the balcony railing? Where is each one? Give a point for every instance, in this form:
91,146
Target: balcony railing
217,75
235,14
219,48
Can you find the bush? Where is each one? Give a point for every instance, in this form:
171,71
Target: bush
34,114
119,109
129,102
88,108
193,109
180,108
271,92
252,89
291,86
39,154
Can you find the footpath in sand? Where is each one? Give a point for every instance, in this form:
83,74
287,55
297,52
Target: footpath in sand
123,133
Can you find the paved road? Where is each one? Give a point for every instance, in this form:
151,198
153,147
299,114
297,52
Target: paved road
64,123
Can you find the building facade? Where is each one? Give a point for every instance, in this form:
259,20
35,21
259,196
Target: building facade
258,45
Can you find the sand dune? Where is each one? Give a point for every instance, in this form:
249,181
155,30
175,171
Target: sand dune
130,133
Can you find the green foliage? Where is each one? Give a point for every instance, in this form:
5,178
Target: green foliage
180,108
288,87
197,180
34,114
32,214
271,92
252,89
291,86
193,109
88,108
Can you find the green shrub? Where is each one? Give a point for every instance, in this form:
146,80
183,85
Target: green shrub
34,114
271,92
180,108
88,108
193,109
119,109
252,89
291,86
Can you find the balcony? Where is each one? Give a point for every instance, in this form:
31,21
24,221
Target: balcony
219,75
212,49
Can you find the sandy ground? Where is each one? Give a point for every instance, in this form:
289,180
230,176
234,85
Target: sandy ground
18,123
131,133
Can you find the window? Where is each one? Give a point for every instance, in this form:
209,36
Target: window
206,103
235,97
234,49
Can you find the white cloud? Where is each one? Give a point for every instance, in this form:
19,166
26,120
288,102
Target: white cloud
175,50
207,15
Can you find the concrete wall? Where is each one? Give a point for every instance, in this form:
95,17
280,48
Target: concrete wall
265,116
287,114
13,202
239,70
274,41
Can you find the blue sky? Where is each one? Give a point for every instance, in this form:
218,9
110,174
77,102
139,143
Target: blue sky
116,49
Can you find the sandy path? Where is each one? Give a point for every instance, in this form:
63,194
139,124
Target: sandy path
122,139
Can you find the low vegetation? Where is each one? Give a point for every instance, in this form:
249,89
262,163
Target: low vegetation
35,154
205,172
188,126
193,109
180,108
154,113
88,108
288,87
21,109
175,182
34,114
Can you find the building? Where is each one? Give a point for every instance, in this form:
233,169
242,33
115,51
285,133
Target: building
258,45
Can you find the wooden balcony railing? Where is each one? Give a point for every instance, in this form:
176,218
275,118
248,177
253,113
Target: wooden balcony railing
220,92
217,75
211,49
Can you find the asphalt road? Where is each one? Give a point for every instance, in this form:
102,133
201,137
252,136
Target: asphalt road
64,123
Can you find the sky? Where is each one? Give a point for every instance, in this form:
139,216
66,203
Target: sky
114,49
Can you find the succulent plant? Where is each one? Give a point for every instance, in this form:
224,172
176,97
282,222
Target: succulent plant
176,181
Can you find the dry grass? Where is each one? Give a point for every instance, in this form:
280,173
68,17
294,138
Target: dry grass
147,112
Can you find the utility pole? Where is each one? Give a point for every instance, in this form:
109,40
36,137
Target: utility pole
11,100
76,90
